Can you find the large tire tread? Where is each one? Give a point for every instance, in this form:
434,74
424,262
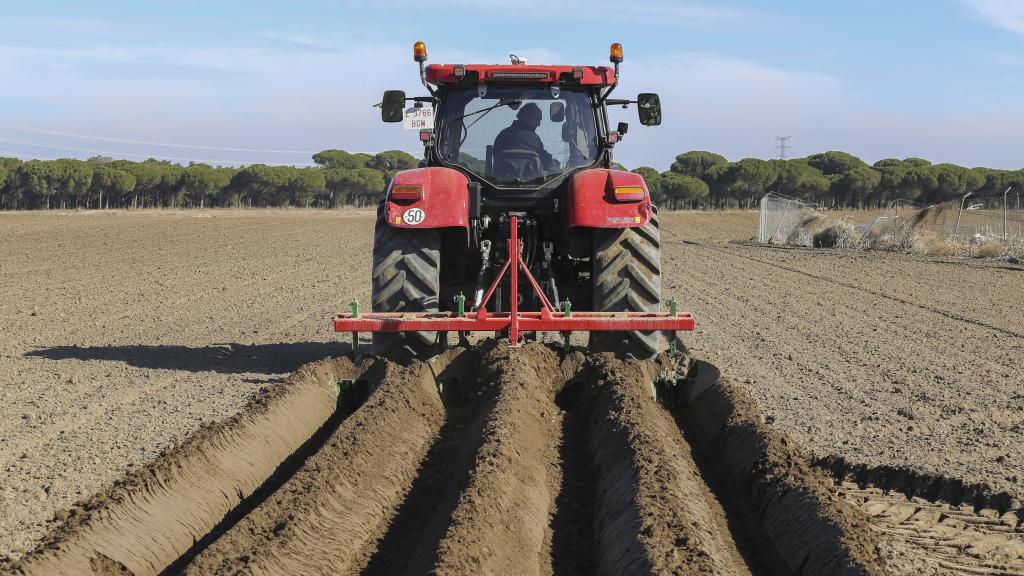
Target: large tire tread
627,278
405,278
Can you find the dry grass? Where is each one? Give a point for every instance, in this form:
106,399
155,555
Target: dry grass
838,234
989,249
916,236
803,234
928,242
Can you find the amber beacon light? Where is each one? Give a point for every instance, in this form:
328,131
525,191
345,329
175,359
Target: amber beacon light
419,52
615,54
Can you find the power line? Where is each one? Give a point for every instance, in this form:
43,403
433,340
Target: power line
782,145
21,128
159,156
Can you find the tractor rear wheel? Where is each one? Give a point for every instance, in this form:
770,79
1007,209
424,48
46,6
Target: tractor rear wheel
627,278
406,278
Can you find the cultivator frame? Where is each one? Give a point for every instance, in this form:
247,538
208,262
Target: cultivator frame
515,323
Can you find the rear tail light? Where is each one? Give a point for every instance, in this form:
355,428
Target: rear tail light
407,193
629,194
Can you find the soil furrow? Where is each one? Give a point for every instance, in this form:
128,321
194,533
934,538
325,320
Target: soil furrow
410,541
811,530
494,461
500,523
573,547
327,512
655,514
152,517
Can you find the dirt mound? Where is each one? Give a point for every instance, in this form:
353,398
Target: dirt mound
499,524
149,519
489,461
812,530
669,522
318,521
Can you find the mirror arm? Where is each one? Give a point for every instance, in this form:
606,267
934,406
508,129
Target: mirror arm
623,103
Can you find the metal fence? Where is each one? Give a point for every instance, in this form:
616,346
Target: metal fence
785,220
894,220
1013,215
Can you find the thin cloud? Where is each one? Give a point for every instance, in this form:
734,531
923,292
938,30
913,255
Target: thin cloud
676,14
1005,14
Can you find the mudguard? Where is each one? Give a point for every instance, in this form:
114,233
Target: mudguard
444,202
591,200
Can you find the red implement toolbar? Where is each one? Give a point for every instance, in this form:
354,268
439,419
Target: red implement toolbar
515,322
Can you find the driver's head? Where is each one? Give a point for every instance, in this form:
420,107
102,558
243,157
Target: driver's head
530,115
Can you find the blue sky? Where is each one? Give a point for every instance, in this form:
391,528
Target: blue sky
232,81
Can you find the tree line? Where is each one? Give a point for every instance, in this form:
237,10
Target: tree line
696,179
338,179
700,179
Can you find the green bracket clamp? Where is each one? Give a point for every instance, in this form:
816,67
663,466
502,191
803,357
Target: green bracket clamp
566,336
673,347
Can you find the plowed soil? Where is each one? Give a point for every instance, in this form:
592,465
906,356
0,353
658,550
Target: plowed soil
856,380
460,466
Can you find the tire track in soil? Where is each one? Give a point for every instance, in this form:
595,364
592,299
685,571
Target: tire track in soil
946,526
941,538
526,462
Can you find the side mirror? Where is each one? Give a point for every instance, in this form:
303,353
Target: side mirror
622,128
392,107
557,111
649,107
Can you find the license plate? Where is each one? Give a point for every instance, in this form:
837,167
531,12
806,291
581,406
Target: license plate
419,118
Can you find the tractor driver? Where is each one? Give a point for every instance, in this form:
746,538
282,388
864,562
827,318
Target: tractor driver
522,135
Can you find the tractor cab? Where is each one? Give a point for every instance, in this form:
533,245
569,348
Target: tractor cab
517,175
519,125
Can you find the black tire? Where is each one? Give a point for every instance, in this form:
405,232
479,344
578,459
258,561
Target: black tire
627,278
406,278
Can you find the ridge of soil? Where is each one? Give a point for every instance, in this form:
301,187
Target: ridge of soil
655,514
500,523
152,516
321,517
501,460
811,528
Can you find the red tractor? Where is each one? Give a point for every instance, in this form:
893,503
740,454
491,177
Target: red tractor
525,147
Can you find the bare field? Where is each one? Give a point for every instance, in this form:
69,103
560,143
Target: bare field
125,331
